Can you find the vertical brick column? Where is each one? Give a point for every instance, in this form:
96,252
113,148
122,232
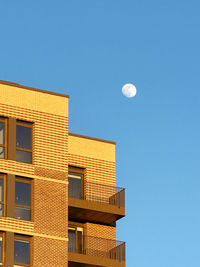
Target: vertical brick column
9,249
10,212
11,138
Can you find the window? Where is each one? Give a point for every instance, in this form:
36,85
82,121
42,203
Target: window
74,186
75,235
24,142
3,139
2,196
15,140
23,199
21,251
75,179
1,249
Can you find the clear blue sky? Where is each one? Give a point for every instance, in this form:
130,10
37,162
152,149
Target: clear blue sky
89,49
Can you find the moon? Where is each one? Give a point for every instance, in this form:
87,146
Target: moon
129,90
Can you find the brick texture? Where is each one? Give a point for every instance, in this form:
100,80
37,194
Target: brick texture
100,239
50,212
50,144
97,171
49,252
50,218
99,177
102,231
20,226
103,173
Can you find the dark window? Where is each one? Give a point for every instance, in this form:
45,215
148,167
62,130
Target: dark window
24,142
1,249
21,251
23,199
2,198
75,235
2,138
75,186
72,239
23,156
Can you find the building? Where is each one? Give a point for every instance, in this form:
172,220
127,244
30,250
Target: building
58,200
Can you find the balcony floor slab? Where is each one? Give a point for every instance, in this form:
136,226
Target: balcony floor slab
84,210
81,260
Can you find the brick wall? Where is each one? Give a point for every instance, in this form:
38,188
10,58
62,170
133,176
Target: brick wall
50,212
99,177
49,252
100,239
50,144
49,173
101,172
96,170
102,231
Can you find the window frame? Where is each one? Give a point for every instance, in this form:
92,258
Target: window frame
29,181
3,176
23,238
2,235
28,125
5,145
79,172
72,226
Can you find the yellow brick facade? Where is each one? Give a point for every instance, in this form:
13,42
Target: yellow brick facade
97,158
101,231
49,115
92,148
54,151
20,97
49,251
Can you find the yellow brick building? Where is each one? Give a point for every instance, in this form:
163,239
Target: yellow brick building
58,200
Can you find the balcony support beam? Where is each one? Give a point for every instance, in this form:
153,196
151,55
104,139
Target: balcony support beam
94,211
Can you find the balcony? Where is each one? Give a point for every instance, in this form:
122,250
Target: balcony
95,251
94,202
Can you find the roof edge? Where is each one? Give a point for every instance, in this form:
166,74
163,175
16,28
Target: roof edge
93,138
32,89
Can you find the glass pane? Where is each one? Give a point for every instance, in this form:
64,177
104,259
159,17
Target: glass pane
1,248
2,133
23,156
74,188
23,137
1,210
72,240
1,189
22,213
2,153
22,193
22,251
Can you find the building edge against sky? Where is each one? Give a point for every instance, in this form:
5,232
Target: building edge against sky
58,200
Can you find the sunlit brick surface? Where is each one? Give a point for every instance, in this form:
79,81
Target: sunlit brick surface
49,252
49,141
97,171
101,172
50,213
53,151
102,231
50,161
